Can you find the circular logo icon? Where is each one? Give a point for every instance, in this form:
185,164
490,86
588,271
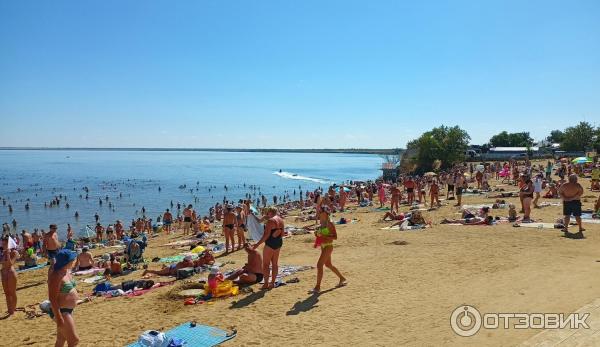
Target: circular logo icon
465,320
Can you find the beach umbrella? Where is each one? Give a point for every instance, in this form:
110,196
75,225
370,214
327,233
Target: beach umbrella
429,174
346,189
581,160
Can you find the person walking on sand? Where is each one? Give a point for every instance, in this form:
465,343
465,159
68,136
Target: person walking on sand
8,274
571,193
63,297
326,234
273,240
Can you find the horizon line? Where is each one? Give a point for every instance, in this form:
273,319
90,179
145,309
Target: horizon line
191,149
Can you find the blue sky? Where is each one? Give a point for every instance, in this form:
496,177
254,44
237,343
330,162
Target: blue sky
292,74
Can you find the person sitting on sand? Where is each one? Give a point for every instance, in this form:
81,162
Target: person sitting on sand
115,266
214,278
252,272
30,258
85,260
171,270
512,213
393,216
552,192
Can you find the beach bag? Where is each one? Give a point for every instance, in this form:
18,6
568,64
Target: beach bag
185,273
103,287
153,338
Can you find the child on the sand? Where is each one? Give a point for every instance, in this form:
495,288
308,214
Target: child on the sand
512,213
214,279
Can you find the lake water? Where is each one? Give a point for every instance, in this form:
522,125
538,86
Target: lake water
131,179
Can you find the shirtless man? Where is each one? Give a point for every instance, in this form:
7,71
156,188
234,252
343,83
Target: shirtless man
459,182
252,272
85,260
229,224
167,221
8,274
119,230
343,198
52,245
187,219
410,185
571,194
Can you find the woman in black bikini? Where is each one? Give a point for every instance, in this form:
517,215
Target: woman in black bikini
273,239
526,195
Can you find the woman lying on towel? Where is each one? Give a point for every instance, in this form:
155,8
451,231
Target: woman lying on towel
171,270
489,220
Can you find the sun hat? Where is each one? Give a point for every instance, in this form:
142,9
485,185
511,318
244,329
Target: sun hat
214,270
63,257
106,256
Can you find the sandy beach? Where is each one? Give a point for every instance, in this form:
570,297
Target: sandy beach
403,286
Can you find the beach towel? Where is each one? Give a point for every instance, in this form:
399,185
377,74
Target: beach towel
144,291
255,228
182,243
480,206
288,270
93,279
537,225
196,336
91,271
408,227
39,266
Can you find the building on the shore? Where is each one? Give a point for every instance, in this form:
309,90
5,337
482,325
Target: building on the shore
512,153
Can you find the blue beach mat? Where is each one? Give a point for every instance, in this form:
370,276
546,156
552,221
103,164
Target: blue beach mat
198,336
40,266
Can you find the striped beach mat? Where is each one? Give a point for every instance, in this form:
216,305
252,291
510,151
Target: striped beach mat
196,336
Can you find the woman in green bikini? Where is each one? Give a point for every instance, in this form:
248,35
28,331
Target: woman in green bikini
326,234
63,297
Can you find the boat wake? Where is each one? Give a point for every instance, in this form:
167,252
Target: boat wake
293,176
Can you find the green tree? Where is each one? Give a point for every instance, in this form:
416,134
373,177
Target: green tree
580,137
556,136
446,144
505,139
